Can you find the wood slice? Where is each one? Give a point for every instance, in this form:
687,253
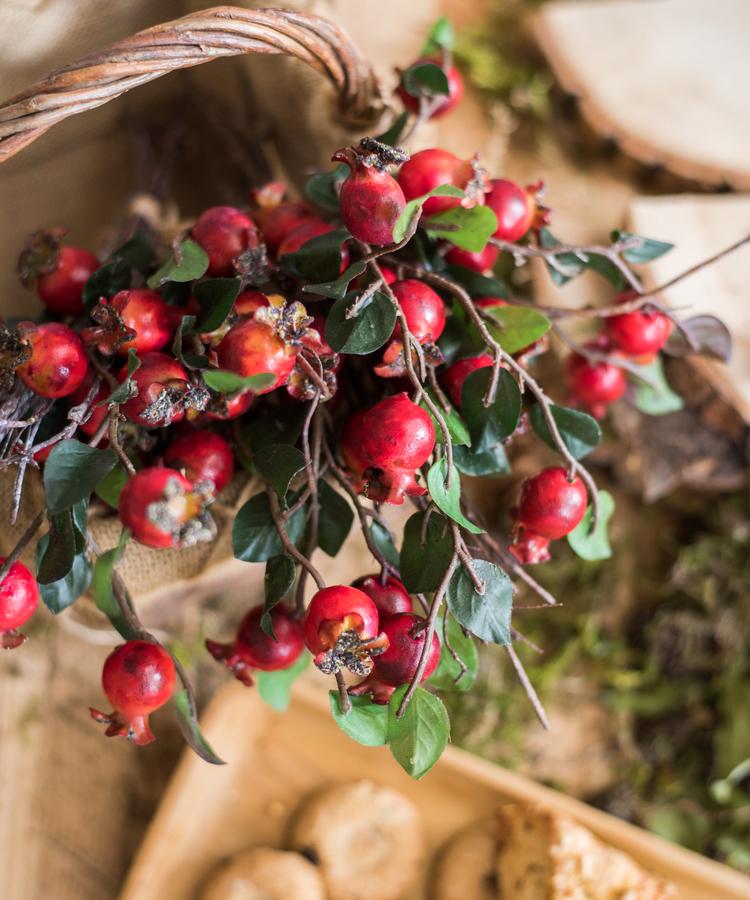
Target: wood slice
662,78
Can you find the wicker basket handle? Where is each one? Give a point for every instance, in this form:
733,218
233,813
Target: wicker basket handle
185,42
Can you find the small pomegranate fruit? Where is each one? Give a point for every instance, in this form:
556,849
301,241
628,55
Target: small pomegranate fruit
19,598
203,456
398,663
351,450
454,376
378,691
61,289
514,206
341,630
224,233
443,105
423,308
58,361
146,315
138,678
252,348
481,262
640,334
429,169
277,223
222,408
595,385
252,648
371,199
163,509
390,597
162,391
249,302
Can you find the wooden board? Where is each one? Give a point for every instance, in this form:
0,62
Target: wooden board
661,77
274,759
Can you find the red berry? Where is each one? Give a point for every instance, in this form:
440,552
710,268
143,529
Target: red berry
378,691
162,386
371,199
454,376
594,384
203,456
148,315
430,168
390,598
253,348
351,450
641,333
19,598
423,308
481,262
249,302
163,509
549,505
254,649
398,663
58,361
224,233
514,207
277,223
445,104
222,408
61,290
138,678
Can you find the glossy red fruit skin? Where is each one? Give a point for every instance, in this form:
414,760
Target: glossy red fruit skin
148,314
514,207
351,449
19,598
203,456
454,376
249,302
157,373
481,262
398,664
549,505
252,348
224,233
61,291
390,598
423,308
455,91
138,678
397,434
254,649
58,362
277,223
371,201
235,406
594,384
334,610
149,486
429,168
306,232
641,334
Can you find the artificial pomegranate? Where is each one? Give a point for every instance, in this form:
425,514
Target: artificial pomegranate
61,288
453,378
252,648
163,509
163,389
249,302
514,206
398,663
442,105
481,262
389,596
58,362
203,456
641,334
224,233
276,222
429,169
423,309
222,408
19,598
252,348
341,630
371,199
595,385
372,686
143,322
351,450
138,678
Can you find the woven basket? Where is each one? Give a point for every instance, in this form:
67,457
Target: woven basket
158,577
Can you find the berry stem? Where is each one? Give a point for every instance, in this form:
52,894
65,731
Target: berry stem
278,521
114,419
528,687
312,471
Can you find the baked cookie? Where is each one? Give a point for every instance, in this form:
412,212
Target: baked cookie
466,865
265,874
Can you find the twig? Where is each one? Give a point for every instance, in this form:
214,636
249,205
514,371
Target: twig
22,544
528,687
289,547
312,470
114,440
344,699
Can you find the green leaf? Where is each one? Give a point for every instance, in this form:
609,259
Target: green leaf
216,298
441,37
425,79
366,722
337,289
268,428
57,549
137,253
323,188
448,499
473,227
384,542
419,738
62,593
101,585
226,382
517,327
193,265
580,432
456,427
485,615
275,687
108,280
278,464
277,582
647,250
254,535
449,676
187,719
319,260
407,221
490,425
659,399
575,264
365,332
710,336
189,360
425,557
481,462
478,285
110,487
392,134
72,471
335,519
127,389
594,545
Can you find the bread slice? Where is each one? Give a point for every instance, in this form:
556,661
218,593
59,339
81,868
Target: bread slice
544,856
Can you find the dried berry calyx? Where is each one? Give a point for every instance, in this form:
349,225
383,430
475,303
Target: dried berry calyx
40,255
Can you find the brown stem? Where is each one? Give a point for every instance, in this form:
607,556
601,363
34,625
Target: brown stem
312,469
289,547
528,687
344,699
22,544
114,439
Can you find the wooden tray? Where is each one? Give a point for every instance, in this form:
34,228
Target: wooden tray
274,759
